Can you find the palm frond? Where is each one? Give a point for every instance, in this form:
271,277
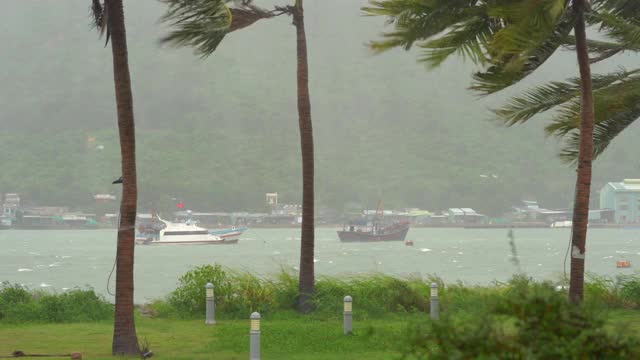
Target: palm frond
624,32
506,71
617,107
246,16
626,9
201,24
467,39
100,19
598,50
529,23
521,108
443,27
604,133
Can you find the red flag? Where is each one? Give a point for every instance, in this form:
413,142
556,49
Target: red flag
180,205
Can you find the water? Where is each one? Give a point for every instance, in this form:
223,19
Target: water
59,260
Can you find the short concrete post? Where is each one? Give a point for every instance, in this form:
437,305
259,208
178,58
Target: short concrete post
255,336
348,315
435,302
211,305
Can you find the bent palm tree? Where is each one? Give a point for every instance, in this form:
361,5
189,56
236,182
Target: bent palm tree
109,18
203,24
511,39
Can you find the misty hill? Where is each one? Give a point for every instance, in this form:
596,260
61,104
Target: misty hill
221,132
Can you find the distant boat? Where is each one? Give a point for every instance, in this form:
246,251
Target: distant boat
165,232
562,224
5,223
394,232
232,233
375,230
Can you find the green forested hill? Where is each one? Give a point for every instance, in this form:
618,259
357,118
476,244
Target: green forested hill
221,132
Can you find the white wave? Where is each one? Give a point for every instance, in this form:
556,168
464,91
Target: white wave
611,256
33,253
44,285
460,253
55,264
622,252
22,270
315,260
65,289
276,253
330,261
425,250
66,256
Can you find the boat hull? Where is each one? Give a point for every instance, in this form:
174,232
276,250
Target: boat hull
151,241
229,234
354,236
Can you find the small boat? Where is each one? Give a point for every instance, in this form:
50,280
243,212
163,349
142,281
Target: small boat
408,242
562,224
375,230
232,233
394,232
623,264
178,234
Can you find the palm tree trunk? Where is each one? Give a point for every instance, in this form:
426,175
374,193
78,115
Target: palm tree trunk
306,143
585,157
125,340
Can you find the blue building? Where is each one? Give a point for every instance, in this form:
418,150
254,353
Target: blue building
624,199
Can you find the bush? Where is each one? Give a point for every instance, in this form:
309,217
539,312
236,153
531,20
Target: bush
530,321
240,293
18,304
237,293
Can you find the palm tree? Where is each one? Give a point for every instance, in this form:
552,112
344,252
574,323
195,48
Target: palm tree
202,24
511,39
307,242
109,18
585,158
470,28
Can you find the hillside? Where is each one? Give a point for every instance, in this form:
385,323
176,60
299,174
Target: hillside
221,132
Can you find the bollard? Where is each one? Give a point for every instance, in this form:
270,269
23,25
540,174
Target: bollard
211,305
76,356
255,336
348,315
435,302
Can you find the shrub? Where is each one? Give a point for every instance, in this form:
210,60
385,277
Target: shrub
530,321
18,304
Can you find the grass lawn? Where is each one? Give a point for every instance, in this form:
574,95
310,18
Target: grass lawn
297,338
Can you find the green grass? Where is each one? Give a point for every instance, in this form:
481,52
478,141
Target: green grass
294,338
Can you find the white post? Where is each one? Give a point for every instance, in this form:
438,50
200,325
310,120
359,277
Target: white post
211,305
254,334
348,315
435,302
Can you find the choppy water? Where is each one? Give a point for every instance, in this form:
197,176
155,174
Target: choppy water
60,260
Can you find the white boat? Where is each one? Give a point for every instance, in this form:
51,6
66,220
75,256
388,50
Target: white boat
180,234
562,224
232,233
